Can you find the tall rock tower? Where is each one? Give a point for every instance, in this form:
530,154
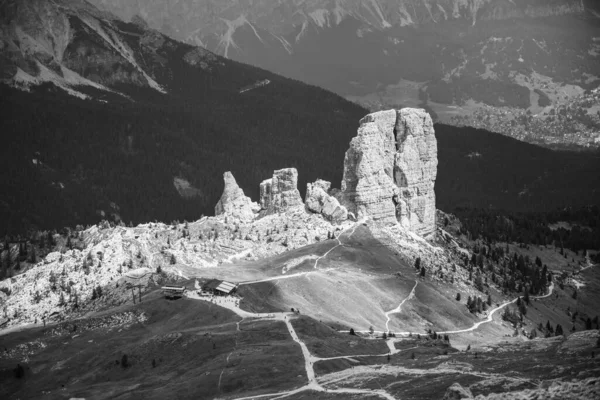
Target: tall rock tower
390,170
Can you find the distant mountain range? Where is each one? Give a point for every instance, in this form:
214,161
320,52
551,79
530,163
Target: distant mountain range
454,57
121,121
115,120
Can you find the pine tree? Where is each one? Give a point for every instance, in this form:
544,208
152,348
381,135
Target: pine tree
457,296
423,271
418,263
489,300
352,332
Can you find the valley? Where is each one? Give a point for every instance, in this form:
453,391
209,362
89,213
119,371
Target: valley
177,224
503,66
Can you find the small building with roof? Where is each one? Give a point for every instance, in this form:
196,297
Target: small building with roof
219,287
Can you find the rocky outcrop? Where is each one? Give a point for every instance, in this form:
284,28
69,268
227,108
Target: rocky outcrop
415,170
233,202
457,392
368,187
390,170
280,193
318,200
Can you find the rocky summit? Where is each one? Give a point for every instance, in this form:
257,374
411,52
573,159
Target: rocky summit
389,177
390,170
281,192
318,200
234,202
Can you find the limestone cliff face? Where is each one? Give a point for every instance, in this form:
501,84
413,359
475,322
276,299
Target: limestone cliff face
368,185
318,200
415,171
233,202
390,170
280,193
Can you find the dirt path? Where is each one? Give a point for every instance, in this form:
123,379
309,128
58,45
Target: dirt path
339,241
399,308
313,383
309,360
492,312
276,278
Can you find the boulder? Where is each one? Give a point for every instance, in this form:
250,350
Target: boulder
280,193
319,201
457,392
390,170
316,193
233,202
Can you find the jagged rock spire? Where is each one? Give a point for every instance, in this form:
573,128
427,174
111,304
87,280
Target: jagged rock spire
234,202
390,170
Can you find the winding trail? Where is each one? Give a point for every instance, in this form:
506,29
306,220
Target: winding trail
276,278
339,241
492,312
309,360
397,309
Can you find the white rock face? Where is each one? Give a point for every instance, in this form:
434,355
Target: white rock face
368,185
390,170
280,193
415,170
233,202
265,193
318,200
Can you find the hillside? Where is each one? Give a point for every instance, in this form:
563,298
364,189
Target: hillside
118,121
481,169
469,62
252,344
73,161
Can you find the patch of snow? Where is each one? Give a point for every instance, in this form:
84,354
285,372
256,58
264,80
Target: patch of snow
405,18
320,17
443,11
375,9
286,45
302,31
227,38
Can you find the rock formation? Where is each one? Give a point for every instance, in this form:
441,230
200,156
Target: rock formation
319,201
280,193
390,170
457,392
233,202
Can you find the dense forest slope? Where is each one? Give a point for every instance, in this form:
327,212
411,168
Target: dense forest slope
123,122
68,161
481,169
